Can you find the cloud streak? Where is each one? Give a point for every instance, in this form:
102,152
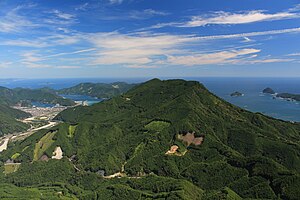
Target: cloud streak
13,22
62,15
115,1
116,48
222,57
250,34
225,18
228,18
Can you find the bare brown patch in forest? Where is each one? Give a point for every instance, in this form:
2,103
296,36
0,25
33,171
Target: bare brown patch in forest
172,150
190,138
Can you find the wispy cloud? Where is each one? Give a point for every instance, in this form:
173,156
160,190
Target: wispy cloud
46,65
295,8
116,48
271,60
142,66
294,54
145,49
149,50
25,43
122,15
250,34
56,18
5,64
246,39
116,1
222,57
238,18
71,53
13,22
45,41
147,13
62,15
82,7
229,18
34,57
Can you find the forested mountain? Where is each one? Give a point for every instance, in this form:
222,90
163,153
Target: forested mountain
100,90
18,95
11,97
168,140
9,122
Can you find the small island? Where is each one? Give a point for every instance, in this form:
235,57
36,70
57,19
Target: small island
289,97
268,91
286,96
236,94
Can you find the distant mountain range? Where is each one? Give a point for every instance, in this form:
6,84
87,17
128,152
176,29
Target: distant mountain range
99,90
43,95
167,140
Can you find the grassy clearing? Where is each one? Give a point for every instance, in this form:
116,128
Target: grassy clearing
157,125
15,156
137,150
43,145
72,129
10,168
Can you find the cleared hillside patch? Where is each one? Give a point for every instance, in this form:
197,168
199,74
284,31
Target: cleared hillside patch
157,125
11,167
44,143
72,129
15,156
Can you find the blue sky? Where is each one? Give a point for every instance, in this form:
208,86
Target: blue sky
149,38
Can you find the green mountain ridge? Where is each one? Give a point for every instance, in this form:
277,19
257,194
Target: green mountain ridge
100,90
168,140
9,122
19,95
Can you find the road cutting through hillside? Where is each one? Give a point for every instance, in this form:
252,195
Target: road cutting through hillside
16,136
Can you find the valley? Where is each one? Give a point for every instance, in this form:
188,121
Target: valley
41,118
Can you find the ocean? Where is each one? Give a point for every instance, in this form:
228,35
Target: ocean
253,100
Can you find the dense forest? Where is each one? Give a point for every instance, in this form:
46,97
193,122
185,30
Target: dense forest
43,95
9,122
100,90
164,140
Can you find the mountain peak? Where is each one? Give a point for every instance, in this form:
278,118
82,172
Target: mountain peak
179,129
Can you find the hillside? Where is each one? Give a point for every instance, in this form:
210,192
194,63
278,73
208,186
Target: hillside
100,90
8,115
38,95
9,97
9,122
167,139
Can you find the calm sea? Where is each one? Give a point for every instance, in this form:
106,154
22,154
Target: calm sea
252,100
